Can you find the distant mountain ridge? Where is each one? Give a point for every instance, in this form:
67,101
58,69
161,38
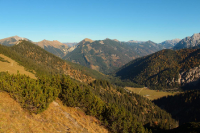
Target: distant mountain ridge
10,41
170,43
55,47
107,55
189,42
70,44
134,41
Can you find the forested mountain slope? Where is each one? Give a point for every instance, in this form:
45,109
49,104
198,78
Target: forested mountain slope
163,69
108,55
184,107
37,60
118,110
56,118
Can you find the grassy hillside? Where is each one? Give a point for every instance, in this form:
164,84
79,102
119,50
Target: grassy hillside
36,59
57,118
108,55
10,66
161,70
117,110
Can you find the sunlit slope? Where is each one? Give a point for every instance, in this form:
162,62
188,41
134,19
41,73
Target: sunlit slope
150,94
36,59
166,69
12,67
56,118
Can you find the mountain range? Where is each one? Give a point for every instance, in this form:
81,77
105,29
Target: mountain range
108,55
97,98
83,89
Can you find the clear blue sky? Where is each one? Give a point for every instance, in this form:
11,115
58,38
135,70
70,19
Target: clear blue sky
74,20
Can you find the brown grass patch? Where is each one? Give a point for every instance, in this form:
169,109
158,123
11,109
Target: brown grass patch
13,67
57,118
150,94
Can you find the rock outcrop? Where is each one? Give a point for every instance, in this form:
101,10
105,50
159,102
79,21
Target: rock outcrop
189,76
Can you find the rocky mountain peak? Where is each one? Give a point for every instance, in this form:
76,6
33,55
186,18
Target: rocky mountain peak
10,41
196,36
88,40
53,43
116,40
189,42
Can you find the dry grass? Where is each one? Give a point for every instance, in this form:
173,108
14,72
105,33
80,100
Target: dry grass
57,118
13,67
150,94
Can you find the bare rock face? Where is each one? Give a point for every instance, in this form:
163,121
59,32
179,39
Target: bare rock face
10,41
189,42
189,76
170,43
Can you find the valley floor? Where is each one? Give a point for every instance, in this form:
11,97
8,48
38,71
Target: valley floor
150,94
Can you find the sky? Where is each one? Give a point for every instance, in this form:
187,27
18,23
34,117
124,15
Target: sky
124,20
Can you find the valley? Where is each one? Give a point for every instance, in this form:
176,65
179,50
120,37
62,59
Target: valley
98,87
92,66
150,94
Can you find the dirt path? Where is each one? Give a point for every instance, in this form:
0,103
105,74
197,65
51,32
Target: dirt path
140,90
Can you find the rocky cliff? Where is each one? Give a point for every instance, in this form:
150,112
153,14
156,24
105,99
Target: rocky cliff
189,76
189,42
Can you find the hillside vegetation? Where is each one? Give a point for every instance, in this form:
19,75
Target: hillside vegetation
57,118
36,59
11,66
166,69
184,107
117,110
